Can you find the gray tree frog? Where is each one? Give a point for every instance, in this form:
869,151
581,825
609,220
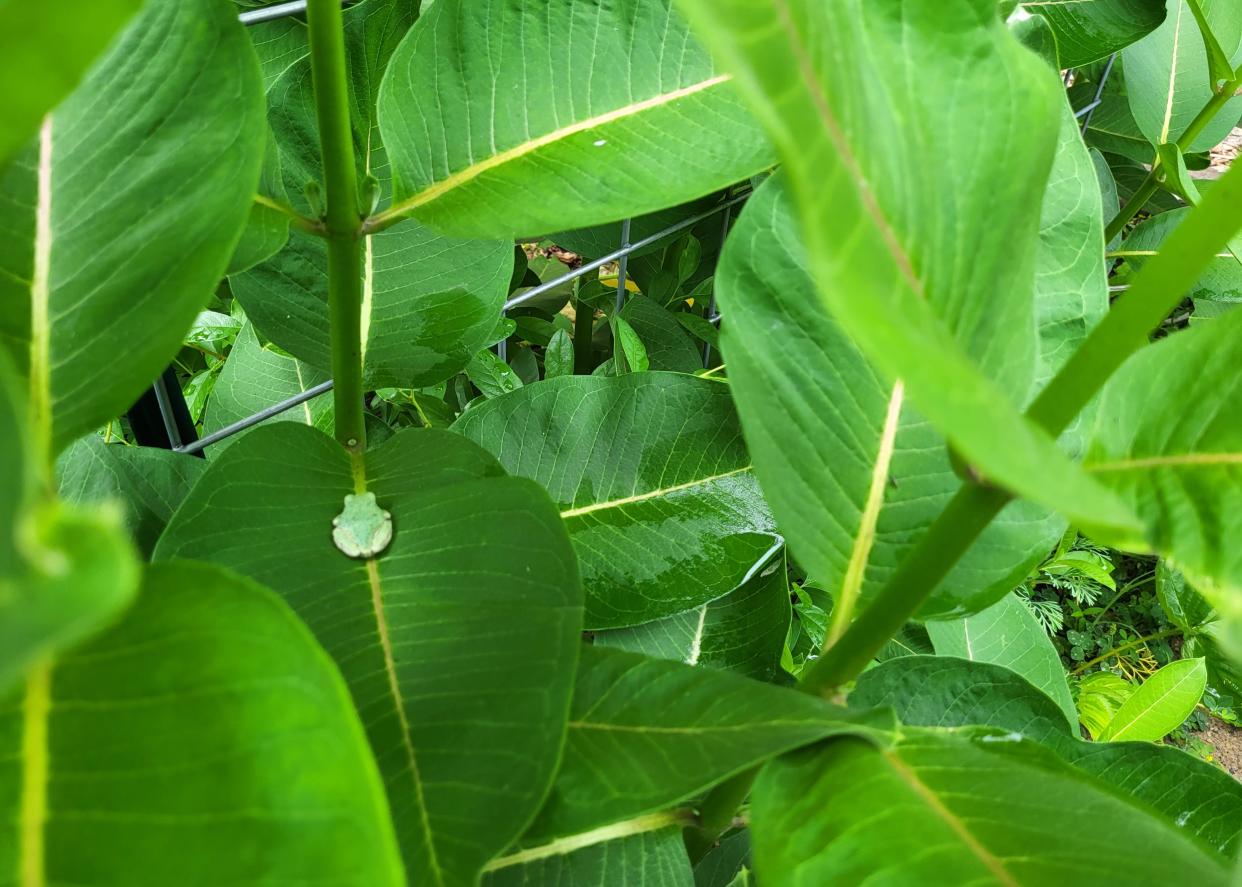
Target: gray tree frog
362,529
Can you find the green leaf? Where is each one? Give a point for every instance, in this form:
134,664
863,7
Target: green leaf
1160,704
429,302
178,97
1089,30
1008,634
647,851
558,358
1183,606
633,354
854,136
1167,75
44,52
458,643
859,438
653,481
267,229
500,124
1220,66
950,809
666,344
205,738
1100,694
148,483
1221,281
947,691
254,378
1197,798
742,632
1167,439
491,375
645,734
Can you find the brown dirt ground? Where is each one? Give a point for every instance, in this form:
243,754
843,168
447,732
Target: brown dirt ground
1224,153
1227,741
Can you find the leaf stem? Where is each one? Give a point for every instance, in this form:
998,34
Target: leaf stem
1155,636
296,219
342,221
584,328
1151,184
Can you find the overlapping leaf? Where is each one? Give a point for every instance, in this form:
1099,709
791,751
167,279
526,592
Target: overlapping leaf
429,302
1089,30
117,225
951,809
1160,704
645,734
886,242
205,738
653,481
507,119
1008,634
458,642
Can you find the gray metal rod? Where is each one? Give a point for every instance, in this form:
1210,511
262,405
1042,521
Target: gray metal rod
250,421
623,266
1088,112
273,12
594,265
166,412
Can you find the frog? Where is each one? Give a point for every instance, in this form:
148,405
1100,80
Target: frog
362,529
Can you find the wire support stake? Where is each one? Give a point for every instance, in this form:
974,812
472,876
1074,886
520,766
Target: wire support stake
250,421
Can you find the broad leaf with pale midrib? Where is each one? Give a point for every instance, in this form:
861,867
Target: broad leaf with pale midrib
203,739
1160,704
458,642
645,734
943,691
429,302
148,173
930,275
942,808
506,119
653,481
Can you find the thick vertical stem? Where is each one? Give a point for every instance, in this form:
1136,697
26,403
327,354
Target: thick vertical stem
343,222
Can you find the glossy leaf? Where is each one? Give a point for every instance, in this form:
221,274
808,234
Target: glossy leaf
1167,439
645,734
429,302
458,642
951,809
666,344
742,632
147,483
1196,797
256,377
500,125
653,481
205,738
863,474
1008,634
44,52
645,852
1167,79
1160,704
178,97
1089,30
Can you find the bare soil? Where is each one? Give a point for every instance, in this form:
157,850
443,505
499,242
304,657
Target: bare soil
1227,741
1224,153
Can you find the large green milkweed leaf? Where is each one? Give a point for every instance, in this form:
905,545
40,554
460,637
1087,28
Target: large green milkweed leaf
645,734
1008,634
742,632
1168,439
1089,30
458,641
942,691
865,473
644,852
44,51
117,225
1161,704
429,302
653,481
506,119
951,809
887,243
205,738
1167,77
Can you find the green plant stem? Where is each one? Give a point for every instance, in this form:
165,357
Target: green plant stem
715,814
310,226
342,221
1151,184
1166,633
584,329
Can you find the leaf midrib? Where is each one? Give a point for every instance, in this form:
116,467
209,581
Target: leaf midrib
653,494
